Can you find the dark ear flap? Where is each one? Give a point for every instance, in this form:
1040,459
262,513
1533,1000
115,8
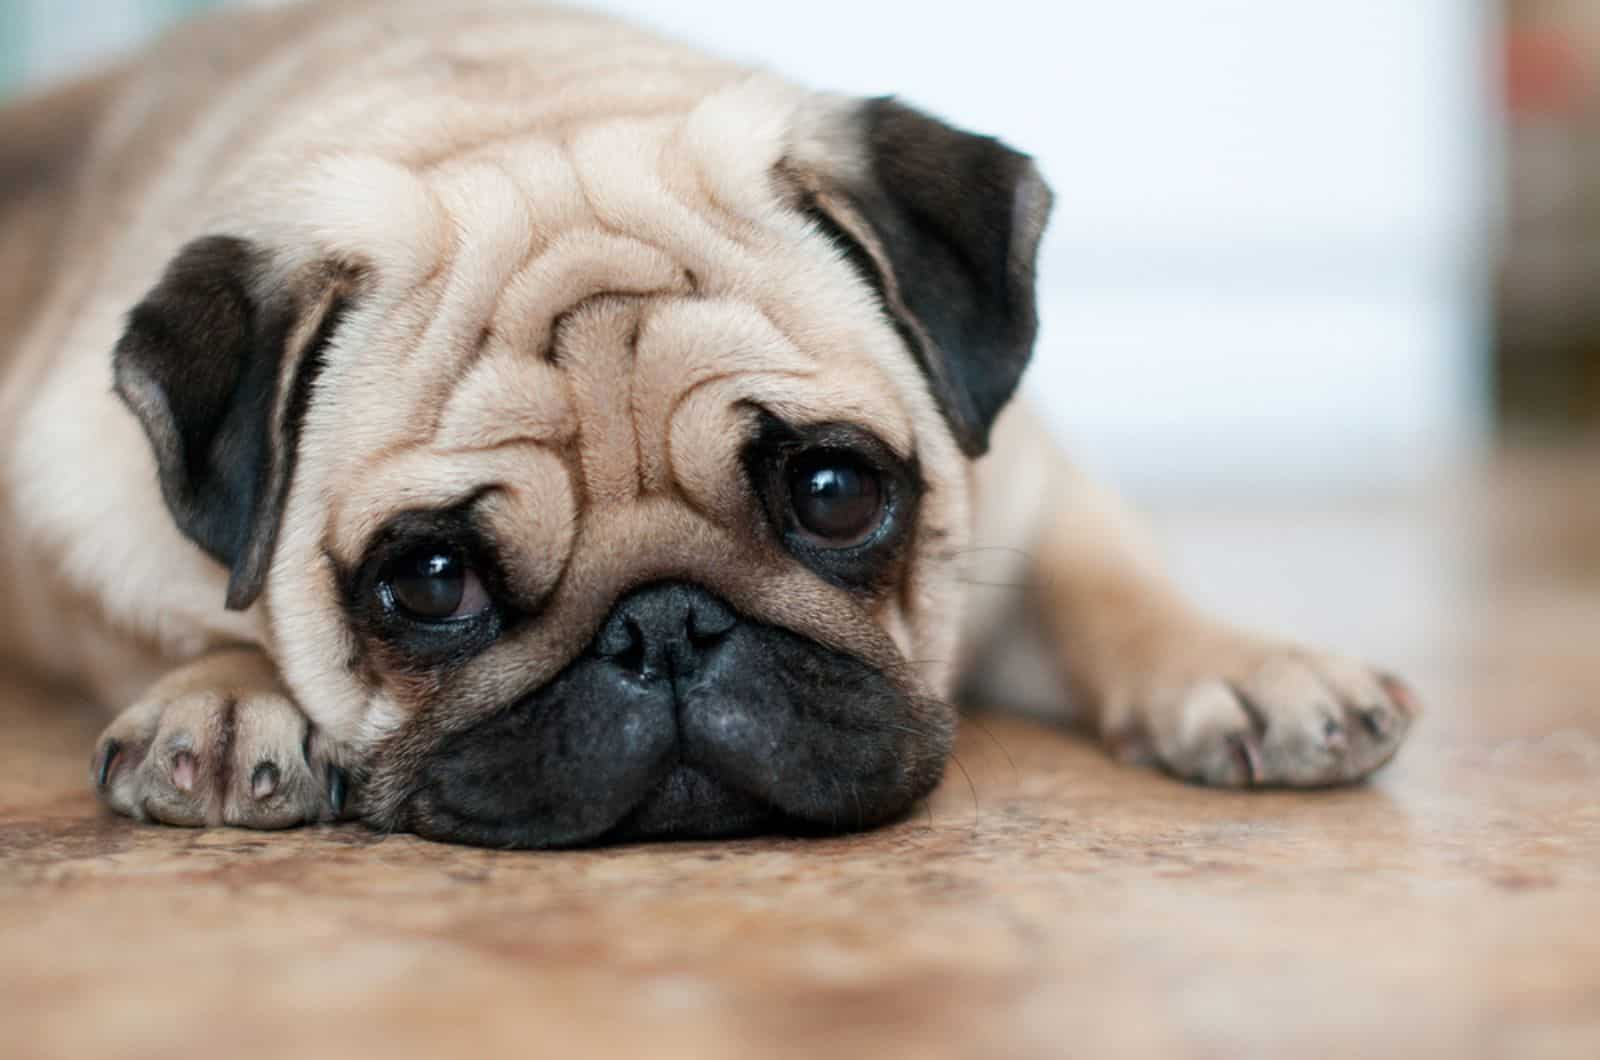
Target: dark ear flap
946,224
218,363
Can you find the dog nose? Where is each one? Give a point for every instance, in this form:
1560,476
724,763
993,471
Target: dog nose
664,630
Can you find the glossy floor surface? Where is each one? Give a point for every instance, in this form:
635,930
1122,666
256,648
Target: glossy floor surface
1058,905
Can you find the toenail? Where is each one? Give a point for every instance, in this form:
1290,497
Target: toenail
1376,720
1248,757
264,781
108,760
184,770
337,787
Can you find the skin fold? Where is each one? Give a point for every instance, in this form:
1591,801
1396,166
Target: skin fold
504,424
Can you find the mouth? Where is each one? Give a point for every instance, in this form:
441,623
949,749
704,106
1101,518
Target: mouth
682,790
688,803
718,727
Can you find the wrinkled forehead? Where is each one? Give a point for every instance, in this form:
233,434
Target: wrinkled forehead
646,394
623,303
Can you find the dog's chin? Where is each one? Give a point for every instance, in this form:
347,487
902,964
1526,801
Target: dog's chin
685,804
689,804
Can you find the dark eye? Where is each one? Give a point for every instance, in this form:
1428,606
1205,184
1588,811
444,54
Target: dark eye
434,584
837,500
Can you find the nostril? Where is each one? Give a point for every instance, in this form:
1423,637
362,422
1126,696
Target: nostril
632,658
622,641
709,622
663,629
700,640
616,636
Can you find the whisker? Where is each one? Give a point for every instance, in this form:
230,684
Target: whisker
1015,586
1024,553
990,733
973,788
907,729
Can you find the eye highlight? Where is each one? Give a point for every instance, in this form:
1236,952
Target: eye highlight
837,500
837,497
433,584
429,592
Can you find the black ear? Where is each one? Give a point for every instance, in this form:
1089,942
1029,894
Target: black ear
218,363
946,224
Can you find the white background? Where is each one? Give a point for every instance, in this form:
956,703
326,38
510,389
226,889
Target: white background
1267,263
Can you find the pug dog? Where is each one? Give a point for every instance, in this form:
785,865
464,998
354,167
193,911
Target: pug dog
496,422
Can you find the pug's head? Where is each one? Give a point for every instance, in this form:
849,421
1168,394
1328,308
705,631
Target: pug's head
609,488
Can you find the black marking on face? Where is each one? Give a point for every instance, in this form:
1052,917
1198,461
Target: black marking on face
684,718
945,227
201,363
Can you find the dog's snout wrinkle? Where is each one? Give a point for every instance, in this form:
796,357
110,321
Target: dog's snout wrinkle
665,630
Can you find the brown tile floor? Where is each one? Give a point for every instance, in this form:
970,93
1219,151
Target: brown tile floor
1061,905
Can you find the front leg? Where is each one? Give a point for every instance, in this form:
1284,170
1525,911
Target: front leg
1168,685
219,742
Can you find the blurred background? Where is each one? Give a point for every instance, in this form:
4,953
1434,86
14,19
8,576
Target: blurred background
1300,245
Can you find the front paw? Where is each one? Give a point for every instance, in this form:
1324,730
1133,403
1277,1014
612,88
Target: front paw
1247,715
219,743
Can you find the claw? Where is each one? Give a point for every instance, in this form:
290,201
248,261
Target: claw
1333,735
338,787
184,771
1401,693
102,774
1377,721
1249,756
264,781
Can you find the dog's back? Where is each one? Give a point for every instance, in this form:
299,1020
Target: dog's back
74,158
43,140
